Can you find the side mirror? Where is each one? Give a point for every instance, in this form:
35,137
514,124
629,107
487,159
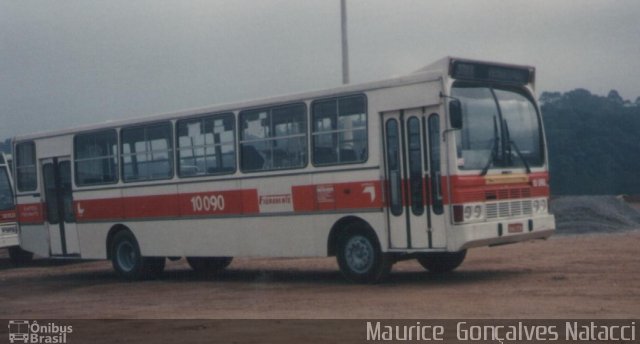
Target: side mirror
455,114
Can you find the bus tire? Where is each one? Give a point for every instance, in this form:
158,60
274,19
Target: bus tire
208,265
129,263
18,256
359,256
442,262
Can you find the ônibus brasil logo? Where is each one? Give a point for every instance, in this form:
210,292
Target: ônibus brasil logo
31,332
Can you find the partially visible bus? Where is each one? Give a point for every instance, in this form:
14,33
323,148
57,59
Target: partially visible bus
8,223
423,166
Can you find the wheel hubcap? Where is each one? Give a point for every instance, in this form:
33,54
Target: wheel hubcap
359,254
126,255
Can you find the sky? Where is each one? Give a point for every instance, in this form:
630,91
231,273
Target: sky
67,63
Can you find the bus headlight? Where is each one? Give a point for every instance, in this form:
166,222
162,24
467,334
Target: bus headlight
539,206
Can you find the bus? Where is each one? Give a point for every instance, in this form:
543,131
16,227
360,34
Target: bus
8,223
423,166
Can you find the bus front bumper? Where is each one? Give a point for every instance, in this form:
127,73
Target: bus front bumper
500,232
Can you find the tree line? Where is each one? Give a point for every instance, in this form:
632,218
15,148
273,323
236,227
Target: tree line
593,142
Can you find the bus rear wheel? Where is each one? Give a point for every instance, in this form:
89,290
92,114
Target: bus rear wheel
129,263
208,265
442,262
360,258
19,256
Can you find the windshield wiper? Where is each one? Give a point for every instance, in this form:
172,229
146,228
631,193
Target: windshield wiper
515,147
494,148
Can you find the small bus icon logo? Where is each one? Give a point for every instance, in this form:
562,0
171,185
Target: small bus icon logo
18,331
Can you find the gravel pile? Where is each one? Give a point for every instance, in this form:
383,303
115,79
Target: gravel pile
589,214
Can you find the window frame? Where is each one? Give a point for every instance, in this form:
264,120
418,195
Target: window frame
18,166
314,133
417,208
435,172
395,204
229,114
520,90
117,158
269,110
171,150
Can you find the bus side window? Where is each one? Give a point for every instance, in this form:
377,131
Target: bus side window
273,138
206,145
95,158
339,130
26,166
146,152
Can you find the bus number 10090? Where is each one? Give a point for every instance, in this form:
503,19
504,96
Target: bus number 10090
207,203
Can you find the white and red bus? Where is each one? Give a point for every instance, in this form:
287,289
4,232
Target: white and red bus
423,166
8,222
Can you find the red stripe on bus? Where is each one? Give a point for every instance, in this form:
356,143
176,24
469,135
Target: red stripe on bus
151,206
465,189
8,216
250,201
212,203
328,197
105,208
235,202
303,198
31,213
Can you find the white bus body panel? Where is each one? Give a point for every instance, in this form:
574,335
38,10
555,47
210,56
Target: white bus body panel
295,236
35,238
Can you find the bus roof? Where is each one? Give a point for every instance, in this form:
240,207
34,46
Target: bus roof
431,72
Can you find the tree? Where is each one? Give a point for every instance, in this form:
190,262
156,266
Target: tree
592,143
550,97
615,97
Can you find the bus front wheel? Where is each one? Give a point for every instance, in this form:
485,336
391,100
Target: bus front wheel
442,262
360,258
208,265
129,263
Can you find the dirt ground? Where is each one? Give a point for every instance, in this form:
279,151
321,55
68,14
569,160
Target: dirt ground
580,276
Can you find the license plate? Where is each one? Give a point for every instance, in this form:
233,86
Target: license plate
515,228
12,230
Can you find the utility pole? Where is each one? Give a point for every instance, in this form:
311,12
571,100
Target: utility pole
345,47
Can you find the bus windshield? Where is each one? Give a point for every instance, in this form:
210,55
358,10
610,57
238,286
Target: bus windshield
501,129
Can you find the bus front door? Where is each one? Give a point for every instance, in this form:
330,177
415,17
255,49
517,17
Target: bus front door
59,213
412,168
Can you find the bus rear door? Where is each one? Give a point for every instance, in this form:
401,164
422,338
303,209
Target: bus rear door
59,213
